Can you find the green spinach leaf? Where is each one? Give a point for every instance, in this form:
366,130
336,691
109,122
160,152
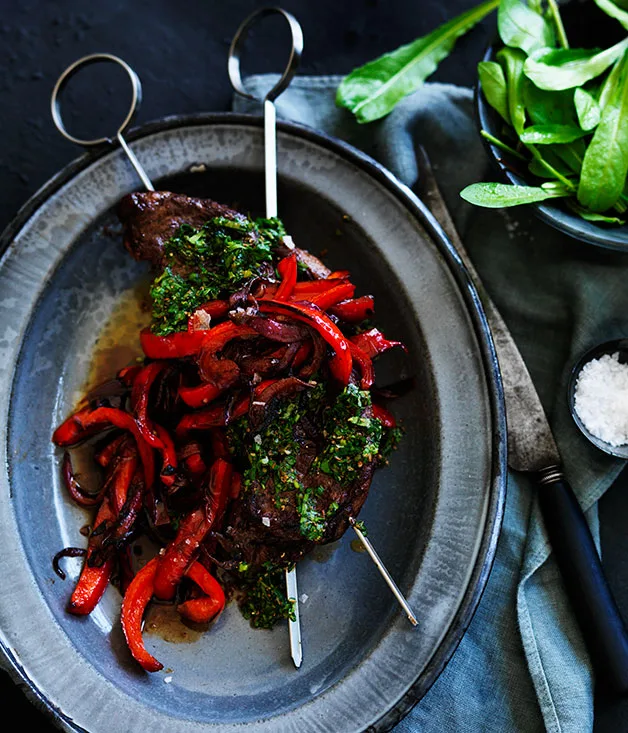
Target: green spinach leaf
587,109
373,90
605,163
512,60
521,26
558,69
499,195
549,134
493,81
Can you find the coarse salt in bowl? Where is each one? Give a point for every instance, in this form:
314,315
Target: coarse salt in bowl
598,397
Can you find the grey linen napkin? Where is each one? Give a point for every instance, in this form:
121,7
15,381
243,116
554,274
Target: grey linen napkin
522,665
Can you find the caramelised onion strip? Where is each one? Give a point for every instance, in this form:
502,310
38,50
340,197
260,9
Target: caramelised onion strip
275,328
66,552
76,491
318,354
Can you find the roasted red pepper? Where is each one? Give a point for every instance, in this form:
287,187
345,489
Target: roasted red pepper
134,603
105,455
174,346
193,529
355,310
215,309
309,287
384,416
199,396
332,296
93,580
85,423
287,268
139,399
169,460
204,609
366,365
341,362
373,342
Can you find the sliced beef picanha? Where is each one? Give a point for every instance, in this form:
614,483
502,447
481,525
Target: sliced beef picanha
152,217
260,531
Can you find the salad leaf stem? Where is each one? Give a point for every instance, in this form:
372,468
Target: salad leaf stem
501,145
560,28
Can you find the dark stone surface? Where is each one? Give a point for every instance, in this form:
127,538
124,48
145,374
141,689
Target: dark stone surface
179,51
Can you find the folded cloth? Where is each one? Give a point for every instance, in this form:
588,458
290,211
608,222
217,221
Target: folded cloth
522,665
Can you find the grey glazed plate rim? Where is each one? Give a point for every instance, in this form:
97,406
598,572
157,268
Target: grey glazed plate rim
497,487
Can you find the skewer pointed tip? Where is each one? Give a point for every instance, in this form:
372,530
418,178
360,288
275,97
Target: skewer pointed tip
384,572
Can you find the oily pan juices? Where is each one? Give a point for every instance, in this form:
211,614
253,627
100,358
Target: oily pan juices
249,433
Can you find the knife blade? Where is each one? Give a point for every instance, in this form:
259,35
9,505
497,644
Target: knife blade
532,449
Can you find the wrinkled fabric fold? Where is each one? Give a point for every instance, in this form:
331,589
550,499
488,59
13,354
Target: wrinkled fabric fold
522,665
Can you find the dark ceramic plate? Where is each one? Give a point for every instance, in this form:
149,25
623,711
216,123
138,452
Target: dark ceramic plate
434,514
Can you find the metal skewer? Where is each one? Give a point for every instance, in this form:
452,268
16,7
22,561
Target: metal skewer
136,99
270,172
383,572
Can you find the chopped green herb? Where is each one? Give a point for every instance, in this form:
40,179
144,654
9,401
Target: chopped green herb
207,263
264,601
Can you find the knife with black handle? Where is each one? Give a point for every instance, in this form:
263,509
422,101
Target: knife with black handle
532,449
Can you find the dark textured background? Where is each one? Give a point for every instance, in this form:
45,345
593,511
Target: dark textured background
179,50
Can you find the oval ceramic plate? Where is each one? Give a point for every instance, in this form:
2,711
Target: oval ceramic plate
433,514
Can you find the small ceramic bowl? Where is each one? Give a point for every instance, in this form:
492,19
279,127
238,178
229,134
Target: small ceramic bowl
584,25
618,346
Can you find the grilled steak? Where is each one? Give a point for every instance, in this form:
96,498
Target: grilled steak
151,218
265,524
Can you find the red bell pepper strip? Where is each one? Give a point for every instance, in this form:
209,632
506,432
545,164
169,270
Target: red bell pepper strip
199,396
287,268
338,275
366,365
140,397
212,417
340,364
203,609
121,477
332,296
134,603
174,346
355,310
93,580
193,529
384,416
71,430
215,309
236,484
105,455
83,424
302,354
316,286
127,374
373,342
169,460
216,416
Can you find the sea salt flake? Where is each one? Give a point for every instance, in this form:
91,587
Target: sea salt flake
266,521
601,398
